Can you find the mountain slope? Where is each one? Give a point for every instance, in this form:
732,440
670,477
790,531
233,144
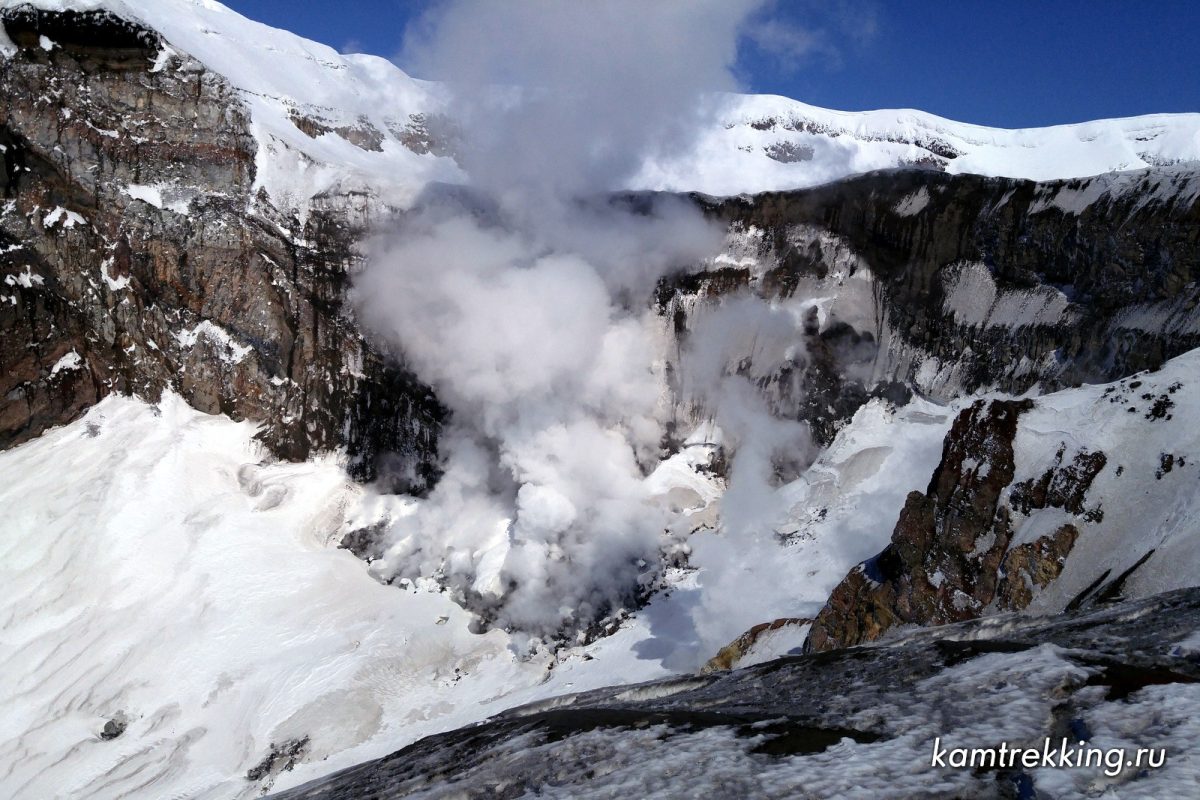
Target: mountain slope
188,198
1048,503
858,723
330,123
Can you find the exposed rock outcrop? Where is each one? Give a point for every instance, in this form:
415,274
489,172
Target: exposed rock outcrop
965,283
1003,283
138,255
943,564
732,654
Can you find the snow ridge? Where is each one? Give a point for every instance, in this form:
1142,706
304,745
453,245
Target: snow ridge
359,113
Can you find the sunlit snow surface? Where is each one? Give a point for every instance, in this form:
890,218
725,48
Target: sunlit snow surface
153,568
277,73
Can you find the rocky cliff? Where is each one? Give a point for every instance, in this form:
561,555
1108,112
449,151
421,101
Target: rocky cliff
139,255
142,250
1052,503
950,285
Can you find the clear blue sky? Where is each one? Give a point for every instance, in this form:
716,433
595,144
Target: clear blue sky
1009,63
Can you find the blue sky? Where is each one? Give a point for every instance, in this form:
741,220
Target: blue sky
1009,63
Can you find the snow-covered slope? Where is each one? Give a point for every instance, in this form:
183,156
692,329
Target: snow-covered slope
1140,532
858,724
160,575
178,621
286,80
367,124
769,143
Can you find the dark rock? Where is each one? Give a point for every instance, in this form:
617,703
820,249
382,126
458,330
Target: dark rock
1119,252
1033,564
746,732
1060,486
215,295
281,757
114,727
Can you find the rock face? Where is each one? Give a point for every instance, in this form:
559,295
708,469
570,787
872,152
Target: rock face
950,558
1003,283
1056,502
140,253
138,256
944,561
731,655
949,284
1125,676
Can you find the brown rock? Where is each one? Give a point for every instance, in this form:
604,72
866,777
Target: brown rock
1033,564
944,559
729,655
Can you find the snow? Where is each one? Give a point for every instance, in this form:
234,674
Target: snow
730,158
160,195
224,345
25,279
113,284
783,641
162,59
1179,184
7,47
974,299
913,204
69,218
169,573
1015,699
278,75
1144,507
166,572
839,512
71,361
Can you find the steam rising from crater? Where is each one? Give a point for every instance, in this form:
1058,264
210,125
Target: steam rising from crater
527,306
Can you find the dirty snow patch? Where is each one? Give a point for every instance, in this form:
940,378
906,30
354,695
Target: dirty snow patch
226,347
913,204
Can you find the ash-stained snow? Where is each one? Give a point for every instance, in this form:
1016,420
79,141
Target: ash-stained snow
973,298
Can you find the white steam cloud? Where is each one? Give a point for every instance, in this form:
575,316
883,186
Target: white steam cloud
526,307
